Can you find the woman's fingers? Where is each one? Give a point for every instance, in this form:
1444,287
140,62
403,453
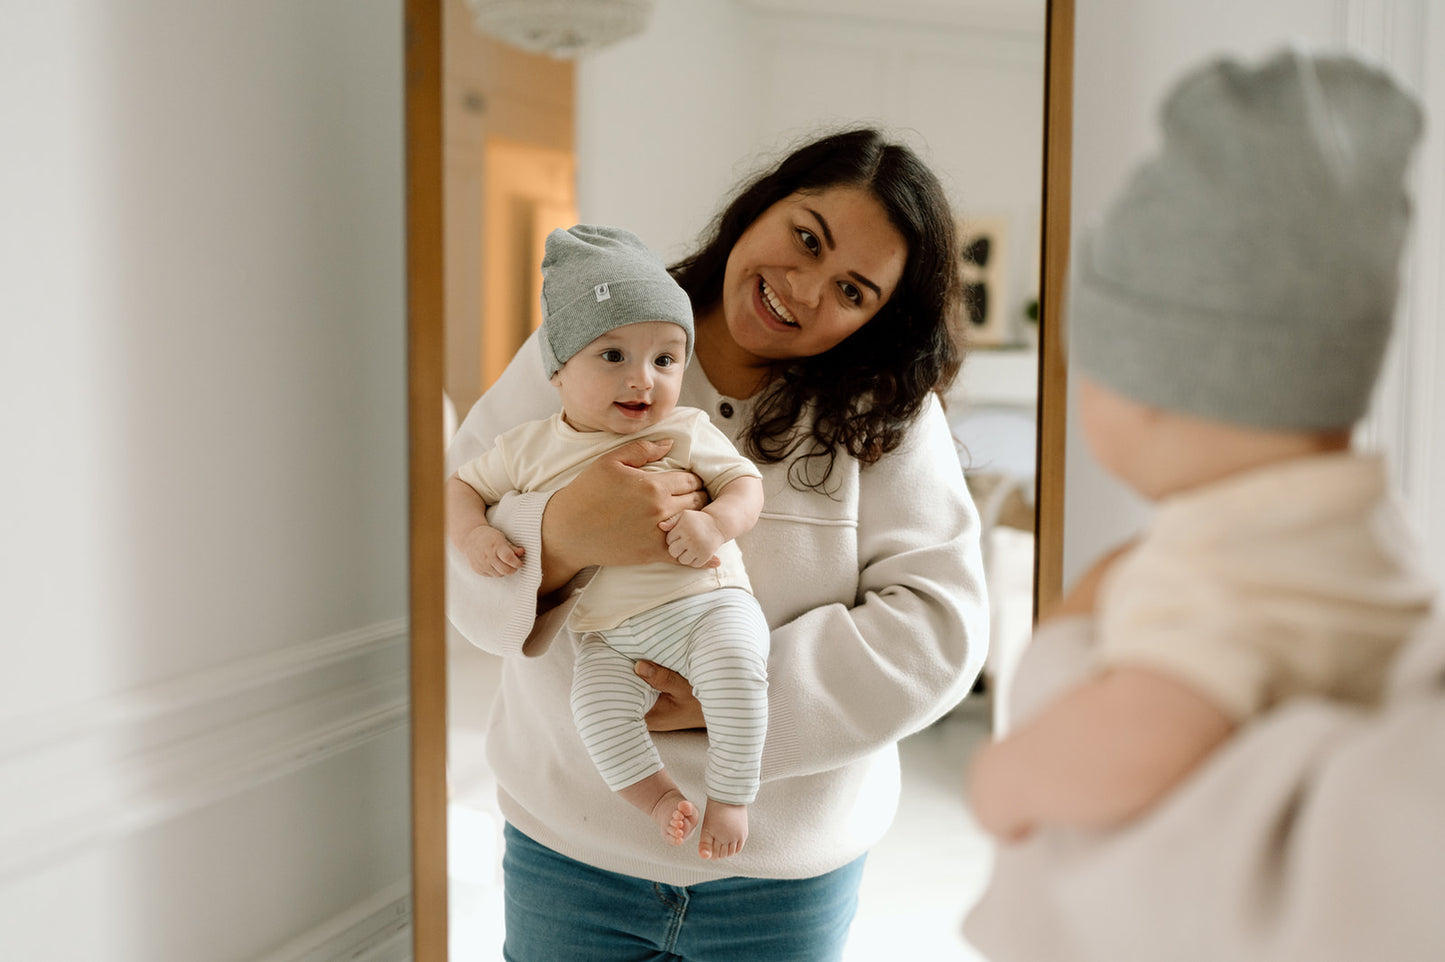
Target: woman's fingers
637,453
663,680
611,512
684,489
681,483
677,708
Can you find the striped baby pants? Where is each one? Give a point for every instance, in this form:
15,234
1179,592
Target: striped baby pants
718,641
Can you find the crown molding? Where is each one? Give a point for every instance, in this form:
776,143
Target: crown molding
1021,17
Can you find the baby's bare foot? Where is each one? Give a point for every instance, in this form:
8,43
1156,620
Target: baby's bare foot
676,816
659,797
724,830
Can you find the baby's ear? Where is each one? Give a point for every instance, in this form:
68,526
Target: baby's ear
556,378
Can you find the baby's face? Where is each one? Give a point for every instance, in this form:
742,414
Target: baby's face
1117,430
624,381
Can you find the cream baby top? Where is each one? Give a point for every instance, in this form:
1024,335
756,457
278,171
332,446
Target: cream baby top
1300,577
542,456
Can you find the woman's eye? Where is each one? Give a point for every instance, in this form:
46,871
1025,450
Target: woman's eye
808,239
612,356
851,293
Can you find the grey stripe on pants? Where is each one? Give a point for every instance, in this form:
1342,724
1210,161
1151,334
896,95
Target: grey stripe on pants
718,641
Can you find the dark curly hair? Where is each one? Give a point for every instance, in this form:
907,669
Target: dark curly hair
864,392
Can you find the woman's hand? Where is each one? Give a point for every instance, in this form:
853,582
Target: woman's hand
677,708
609,514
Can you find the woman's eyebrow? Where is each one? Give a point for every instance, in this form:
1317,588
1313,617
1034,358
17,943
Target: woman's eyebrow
828,239
827,231
877,292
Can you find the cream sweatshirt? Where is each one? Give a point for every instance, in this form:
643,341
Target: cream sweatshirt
1316,833
875,596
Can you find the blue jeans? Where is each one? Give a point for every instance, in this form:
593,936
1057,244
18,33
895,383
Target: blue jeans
561,910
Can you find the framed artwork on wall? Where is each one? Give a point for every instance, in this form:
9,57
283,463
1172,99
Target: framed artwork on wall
983,264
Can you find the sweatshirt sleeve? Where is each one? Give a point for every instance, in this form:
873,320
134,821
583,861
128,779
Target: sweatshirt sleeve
1314,833
498,614
845,681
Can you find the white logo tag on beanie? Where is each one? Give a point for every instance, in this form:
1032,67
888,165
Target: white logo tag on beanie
602,292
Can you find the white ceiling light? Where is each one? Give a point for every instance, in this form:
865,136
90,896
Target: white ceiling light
562,28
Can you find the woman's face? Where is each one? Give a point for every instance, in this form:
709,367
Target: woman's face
811,270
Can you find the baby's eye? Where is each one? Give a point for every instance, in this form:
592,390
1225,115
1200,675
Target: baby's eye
850,292
612,355
808,239
665,360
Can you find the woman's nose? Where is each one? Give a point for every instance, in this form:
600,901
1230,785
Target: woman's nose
805,285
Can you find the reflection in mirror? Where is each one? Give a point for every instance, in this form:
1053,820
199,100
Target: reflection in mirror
652,133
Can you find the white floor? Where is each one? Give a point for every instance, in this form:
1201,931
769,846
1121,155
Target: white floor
919,881
934,862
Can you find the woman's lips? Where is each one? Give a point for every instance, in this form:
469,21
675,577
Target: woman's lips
773,312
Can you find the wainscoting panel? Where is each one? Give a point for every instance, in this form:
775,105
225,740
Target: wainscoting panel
84,774
375,930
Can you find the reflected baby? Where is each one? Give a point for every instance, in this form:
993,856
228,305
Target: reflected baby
617,333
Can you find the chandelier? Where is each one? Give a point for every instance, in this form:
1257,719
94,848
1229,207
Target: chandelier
562,28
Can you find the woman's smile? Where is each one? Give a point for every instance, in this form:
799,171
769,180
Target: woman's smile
774,306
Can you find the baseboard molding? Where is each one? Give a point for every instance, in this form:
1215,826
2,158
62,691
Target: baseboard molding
377,929
85,774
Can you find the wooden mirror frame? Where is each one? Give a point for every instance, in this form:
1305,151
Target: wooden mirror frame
425,314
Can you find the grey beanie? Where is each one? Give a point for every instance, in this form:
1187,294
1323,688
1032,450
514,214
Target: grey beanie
596,279
1247,273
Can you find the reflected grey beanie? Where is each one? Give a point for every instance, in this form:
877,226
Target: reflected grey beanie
596,279
1247,272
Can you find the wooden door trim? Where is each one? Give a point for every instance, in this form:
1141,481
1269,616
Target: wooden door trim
425,302
1053,354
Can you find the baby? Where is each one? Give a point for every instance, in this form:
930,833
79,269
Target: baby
1229,319
616,336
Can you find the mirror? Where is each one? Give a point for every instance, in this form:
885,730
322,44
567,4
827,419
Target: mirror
504,145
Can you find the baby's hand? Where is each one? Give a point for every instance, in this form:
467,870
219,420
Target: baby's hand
490,554
693,538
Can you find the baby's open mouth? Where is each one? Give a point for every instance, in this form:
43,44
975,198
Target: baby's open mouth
775,305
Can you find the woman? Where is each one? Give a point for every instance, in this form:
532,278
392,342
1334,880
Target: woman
822,301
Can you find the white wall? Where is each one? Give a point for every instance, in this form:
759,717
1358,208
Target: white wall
204,568
670,122
1127,54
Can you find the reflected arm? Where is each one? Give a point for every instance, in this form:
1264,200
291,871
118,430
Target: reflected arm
1104,752
497,614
